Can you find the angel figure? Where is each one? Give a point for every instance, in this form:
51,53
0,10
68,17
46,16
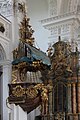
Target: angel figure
44,97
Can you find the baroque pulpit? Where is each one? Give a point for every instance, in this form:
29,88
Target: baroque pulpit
51,82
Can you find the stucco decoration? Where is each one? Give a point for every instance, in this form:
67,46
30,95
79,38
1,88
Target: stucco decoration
6,7
52,7
61,7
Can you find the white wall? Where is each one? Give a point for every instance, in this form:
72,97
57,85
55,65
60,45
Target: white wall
38,10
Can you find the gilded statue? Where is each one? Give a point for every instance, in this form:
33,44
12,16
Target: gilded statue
44,98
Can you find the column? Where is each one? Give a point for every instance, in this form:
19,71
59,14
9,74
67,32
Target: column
6,77
74,98
50,102
69,98
74,102
78,97
53,103
78,88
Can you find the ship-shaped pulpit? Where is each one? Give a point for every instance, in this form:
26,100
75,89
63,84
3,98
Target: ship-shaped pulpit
27,88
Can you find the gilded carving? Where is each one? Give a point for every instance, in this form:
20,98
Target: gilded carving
18,91
60,63
31,92
14,76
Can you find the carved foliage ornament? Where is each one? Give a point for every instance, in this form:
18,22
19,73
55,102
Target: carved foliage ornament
18,91
6,7
31,91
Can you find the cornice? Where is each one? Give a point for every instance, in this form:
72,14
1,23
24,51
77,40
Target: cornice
58,19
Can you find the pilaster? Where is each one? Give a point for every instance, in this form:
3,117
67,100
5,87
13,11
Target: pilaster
5,80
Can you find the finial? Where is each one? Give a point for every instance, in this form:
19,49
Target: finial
59,38
76,49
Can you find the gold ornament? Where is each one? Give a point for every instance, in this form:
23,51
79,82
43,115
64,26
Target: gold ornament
18,91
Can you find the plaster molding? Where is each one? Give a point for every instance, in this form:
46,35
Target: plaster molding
62,25
59,18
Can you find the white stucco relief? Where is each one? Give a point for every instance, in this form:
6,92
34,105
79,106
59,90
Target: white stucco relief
6,7
52,7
